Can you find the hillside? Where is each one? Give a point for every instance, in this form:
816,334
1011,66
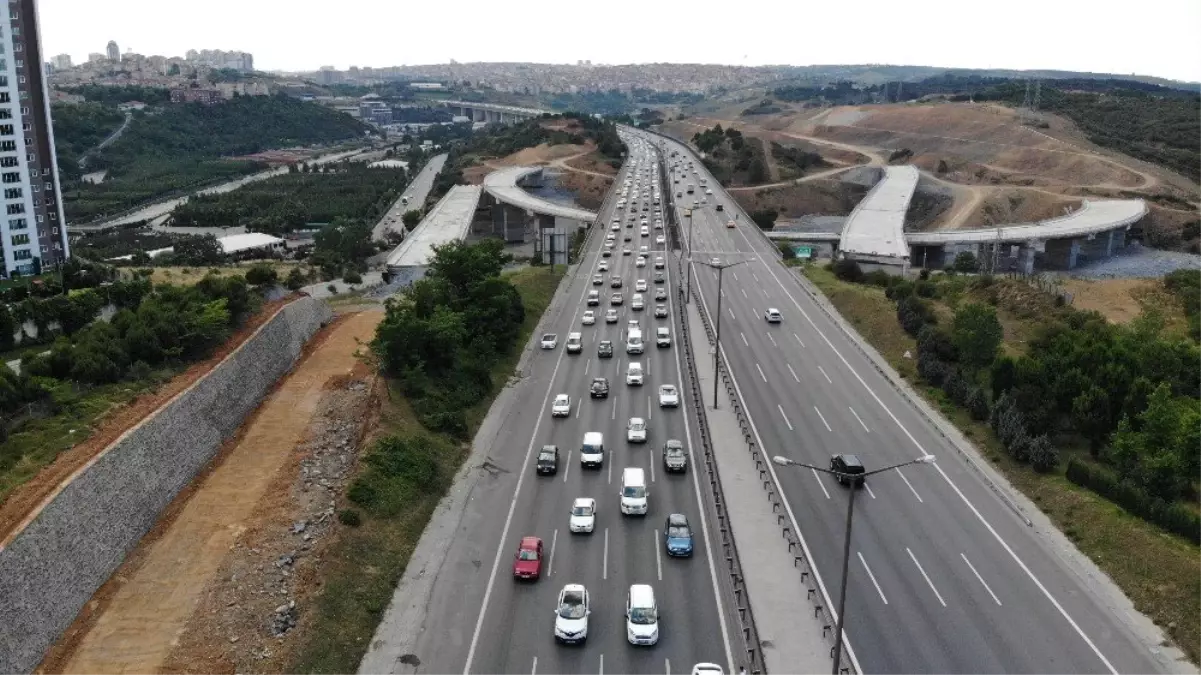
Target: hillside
174,147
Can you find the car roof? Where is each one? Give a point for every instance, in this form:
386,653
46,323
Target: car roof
677,520
637,419
674,443
559,396
530,542
851,460
583,501
641,595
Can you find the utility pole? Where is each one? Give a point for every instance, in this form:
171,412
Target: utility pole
720,267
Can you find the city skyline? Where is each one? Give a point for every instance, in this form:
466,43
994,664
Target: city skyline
1027,35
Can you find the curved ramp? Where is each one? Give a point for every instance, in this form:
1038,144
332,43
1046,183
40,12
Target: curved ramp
875,230
1093,217
502,185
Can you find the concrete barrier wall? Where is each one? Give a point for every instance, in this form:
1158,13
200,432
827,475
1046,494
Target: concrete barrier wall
54,566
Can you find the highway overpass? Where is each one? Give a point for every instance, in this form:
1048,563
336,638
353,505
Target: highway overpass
875,230
492,113
518,216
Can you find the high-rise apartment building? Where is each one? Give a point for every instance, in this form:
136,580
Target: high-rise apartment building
33,232
62,62
114,54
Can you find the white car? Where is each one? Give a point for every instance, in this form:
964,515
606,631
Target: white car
708,191
640,286
571,614
636,430
550,341
583,516
589,318
562,405
772,315
668,396
641,262
715,261
603,266
707,669
659,262
660,240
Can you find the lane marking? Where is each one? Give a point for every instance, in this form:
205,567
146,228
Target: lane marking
601,670
744,293
927,576
735,275
756,277
649,409
982,582
860,420
869,489
578,407
784,416
743,336
550,566
979,516
587,365
824,373
823,418
820,484
605,559
732,314
658,554
567,466
609,464
798,339
613,415
534,670
667,666
773,340
872,577
798,380
761,372
911,489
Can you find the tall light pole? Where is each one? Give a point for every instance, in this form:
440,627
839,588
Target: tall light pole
853,478
720,267
688,296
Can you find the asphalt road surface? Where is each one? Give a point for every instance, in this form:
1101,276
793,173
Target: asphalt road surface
418,189
480,619
944,577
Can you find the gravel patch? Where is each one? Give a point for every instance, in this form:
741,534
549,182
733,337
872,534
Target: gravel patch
1137,262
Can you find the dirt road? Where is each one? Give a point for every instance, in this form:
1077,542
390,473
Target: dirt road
143,610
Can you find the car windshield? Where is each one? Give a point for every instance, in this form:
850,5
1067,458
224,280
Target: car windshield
679,532
668,390
643,616
546,454
527,554
634,492
581,510
590,450
674,451
573,606
636,426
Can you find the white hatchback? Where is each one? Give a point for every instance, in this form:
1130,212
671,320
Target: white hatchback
589,318
636,430
561,407
583,516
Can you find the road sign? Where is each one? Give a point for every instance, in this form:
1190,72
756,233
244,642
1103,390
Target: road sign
803,251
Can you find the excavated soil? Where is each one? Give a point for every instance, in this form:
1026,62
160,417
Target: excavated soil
220,579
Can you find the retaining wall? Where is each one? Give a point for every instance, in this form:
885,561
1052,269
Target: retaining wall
58,561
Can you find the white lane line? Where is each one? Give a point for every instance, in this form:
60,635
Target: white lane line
534,670
587,365
578,406
824,373
761,372
609,463
979,516
798,339
820,483
732,314
823,418
567,466
869,489
798,380
735,275
872,577
744,293
982,582
769,337
605,559
658,554
652,469
613,415
915,494
756,277
860,420
649,408
743,336
667,666
784,416
601,670
550,565
927,576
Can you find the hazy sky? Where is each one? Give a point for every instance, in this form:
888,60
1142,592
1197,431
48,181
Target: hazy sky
1147,37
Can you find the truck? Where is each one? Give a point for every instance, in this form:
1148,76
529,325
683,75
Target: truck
690,188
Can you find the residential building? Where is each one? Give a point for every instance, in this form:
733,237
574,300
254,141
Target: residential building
61,62
114,54
33,232
95,56
196,95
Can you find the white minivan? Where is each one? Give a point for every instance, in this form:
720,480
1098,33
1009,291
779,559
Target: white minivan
634,493
634,341
634,374
575,343
592,450
642,615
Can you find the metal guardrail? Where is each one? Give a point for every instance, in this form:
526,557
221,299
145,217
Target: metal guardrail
750,635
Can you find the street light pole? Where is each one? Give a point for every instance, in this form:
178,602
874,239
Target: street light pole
720,267
688,297
853,478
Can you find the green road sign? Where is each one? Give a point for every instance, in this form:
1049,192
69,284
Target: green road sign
803,251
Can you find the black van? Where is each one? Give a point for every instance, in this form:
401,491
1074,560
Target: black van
847,464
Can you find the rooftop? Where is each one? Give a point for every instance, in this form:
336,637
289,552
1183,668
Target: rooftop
235,243
448,221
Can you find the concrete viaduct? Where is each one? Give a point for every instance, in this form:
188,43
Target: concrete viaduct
491,113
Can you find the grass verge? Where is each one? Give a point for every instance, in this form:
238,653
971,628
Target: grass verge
362,567
1156,570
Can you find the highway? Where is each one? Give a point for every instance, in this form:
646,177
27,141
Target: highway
944,576
417,190
479,618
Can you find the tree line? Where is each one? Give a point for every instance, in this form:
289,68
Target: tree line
731,157
1130,392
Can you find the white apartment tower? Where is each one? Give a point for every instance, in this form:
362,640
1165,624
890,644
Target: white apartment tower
114,54
33,233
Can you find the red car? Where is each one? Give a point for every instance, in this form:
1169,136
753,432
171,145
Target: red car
527,564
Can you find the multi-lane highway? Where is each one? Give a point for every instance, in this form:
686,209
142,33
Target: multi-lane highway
476,617
944,577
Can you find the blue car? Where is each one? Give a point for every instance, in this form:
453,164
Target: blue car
677,536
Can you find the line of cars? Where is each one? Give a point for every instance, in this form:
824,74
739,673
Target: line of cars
640,201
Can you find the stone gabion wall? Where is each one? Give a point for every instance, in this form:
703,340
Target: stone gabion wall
54,566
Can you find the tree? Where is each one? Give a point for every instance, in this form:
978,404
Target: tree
847,270
965,263
765,218
202,250
1091,417
352,277
261,275
461,265
912,313
757,173
977,334
8,328
1044,456
296,279
411,219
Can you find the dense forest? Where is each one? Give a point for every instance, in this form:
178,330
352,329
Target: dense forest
731,157
316,194
80,128
176,147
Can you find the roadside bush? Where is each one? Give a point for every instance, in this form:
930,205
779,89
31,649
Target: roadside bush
349,518
900,288
786,250
965,263
878,278
977,404
352,277
1175,518
847,270
295,280
1044,456
913,313
261,275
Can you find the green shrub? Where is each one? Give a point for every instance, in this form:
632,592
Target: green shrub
1175,518
349,518
847,270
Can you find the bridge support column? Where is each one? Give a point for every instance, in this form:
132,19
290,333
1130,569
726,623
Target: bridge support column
1062,254
1025,261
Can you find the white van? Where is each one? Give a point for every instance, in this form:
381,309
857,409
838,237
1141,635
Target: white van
642,615
592,450
637,303
575,343
593,298
634,493
633,341
634,374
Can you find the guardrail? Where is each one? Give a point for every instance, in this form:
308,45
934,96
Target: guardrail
750,635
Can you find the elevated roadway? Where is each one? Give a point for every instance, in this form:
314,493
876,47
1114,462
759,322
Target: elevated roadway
475,617
504,186
946,576
875,230
492,112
